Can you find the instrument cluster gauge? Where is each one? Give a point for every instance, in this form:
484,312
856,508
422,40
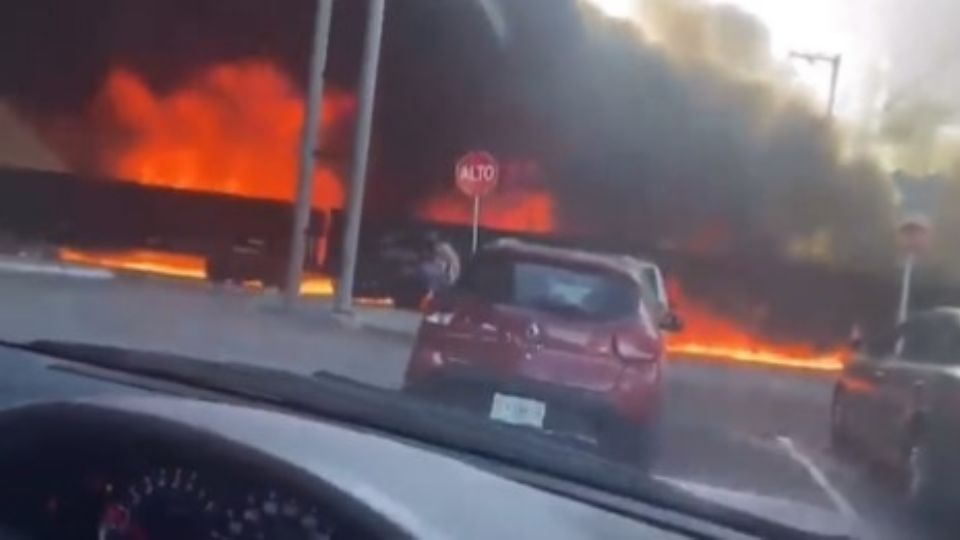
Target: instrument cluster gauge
164,503
271,515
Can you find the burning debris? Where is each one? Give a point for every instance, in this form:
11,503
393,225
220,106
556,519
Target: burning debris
172,265
711,335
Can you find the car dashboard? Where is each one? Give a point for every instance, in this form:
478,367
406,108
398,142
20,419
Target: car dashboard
114,482
93,454
119,467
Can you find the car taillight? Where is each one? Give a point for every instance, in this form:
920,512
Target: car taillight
629,350
440,318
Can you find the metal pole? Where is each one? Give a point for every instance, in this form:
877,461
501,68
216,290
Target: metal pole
476,223
834,76
309,142
343,303
834,61
905,285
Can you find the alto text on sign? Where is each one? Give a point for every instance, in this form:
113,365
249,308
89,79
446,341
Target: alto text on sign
477,174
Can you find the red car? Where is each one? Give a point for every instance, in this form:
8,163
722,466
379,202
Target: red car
557,339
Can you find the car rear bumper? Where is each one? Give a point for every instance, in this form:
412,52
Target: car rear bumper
574,413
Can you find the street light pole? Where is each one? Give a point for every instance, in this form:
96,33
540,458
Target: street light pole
309,143
343,303
835,61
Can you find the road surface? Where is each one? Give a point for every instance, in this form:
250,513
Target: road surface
761,430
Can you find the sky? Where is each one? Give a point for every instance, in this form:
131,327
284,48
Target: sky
901,49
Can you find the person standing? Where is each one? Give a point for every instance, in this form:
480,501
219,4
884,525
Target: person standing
449,262
440,266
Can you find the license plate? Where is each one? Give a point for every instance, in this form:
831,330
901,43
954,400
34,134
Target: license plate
517,410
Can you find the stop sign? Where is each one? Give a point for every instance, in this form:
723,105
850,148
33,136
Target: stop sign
477,173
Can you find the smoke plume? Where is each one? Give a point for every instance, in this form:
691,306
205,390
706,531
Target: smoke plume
666,150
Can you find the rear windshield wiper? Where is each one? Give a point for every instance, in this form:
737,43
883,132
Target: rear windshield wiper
359,405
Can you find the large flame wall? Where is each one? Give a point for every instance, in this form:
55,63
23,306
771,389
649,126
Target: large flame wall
233,129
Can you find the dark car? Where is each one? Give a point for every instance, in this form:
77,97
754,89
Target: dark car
391,268
897,404
552,338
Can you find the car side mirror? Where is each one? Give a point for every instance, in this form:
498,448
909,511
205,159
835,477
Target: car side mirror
671,322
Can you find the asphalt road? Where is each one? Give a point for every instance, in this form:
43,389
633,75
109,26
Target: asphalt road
765,430
759,430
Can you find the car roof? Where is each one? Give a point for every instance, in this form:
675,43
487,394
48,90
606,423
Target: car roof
643,264
946,312
622,264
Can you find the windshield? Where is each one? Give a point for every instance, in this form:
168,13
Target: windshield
702,241
591,294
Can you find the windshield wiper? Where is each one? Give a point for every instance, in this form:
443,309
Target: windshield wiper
358,405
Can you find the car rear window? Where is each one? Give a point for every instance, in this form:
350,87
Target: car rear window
568,291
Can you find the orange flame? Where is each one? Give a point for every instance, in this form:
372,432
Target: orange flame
171,265
524,212
710,336
234,130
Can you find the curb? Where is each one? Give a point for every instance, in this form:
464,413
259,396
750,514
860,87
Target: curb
326,316
357,321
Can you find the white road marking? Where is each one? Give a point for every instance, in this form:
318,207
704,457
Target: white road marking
838,499
27,267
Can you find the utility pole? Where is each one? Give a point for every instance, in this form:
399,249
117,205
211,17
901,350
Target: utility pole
309,144
834,60
343,303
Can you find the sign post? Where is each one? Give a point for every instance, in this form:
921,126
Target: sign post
914,235
476,224
476,175
905,282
